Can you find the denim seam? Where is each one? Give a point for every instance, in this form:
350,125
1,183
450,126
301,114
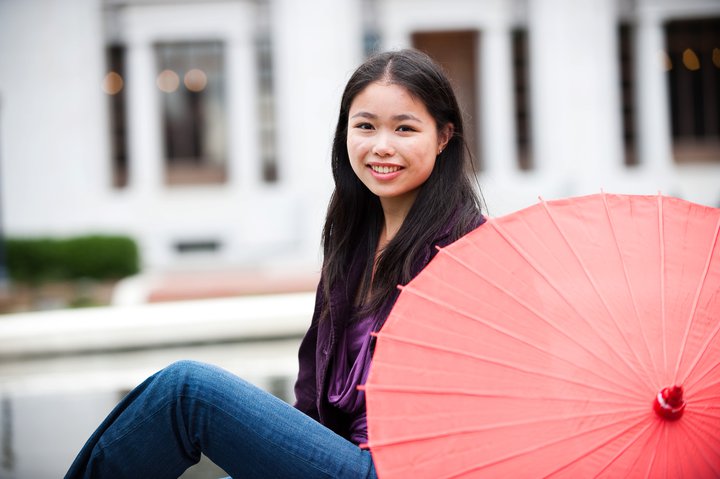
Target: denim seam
102,448
268,441
136,426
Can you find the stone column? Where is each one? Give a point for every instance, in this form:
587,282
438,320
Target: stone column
654,141
317,45
575,93
496,112
243,153
145,158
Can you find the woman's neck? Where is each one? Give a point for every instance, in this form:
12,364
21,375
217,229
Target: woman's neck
394,213
393,217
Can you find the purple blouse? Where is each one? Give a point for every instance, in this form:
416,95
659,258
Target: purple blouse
350,368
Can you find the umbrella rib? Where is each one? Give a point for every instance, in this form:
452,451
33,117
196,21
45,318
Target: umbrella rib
704,387
691,319
628,285
478,357
498,328
702,424
666,457
653,456
703,349
695,438
702,427
709,415
613,459
661,231
600,296
475,393
551,443
510,424
545,276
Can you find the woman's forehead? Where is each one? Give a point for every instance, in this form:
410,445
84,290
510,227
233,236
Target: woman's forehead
387,99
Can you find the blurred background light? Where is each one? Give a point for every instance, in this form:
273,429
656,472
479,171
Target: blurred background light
691,60
112,83
168,81
195,80
666,61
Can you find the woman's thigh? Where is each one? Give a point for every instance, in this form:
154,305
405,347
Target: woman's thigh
188,408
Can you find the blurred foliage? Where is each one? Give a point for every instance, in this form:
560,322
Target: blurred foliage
83,302
39,260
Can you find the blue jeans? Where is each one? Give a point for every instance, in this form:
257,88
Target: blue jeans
160,428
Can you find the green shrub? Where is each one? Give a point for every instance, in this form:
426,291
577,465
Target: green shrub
36,260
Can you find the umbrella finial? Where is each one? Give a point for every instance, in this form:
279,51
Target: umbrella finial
669,403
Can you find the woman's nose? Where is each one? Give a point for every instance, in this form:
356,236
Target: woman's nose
383,146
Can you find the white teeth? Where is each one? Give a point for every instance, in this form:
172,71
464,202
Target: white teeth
384,169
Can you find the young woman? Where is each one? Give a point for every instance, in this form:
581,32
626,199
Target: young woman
402,187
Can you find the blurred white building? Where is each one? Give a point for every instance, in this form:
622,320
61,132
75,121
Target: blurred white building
203,128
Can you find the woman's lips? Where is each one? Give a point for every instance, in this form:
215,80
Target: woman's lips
384,169
385,172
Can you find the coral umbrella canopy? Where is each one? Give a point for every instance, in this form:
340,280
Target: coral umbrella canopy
575,338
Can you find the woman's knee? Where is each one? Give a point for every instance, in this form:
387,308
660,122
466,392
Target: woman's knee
196,380
183,374
184,366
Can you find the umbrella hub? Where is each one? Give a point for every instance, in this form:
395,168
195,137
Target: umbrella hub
669,403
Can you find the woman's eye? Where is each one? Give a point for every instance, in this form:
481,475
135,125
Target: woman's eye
405,128
364,126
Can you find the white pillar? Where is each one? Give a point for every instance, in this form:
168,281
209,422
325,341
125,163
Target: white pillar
145,158
654,142
243,154
575,93
496,112
317,45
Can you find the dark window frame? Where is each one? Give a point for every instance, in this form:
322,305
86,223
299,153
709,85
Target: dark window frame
626,60
184,136
521,97
694,94
116,57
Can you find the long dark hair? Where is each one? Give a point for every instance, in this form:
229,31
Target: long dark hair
355,217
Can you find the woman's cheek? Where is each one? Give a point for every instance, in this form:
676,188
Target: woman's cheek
358,149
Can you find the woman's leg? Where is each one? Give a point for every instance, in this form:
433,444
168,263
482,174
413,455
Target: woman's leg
160,428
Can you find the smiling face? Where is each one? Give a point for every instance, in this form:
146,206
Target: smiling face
392,142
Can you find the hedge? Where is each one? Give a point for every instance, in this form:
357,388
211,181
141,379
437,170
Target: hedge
35,260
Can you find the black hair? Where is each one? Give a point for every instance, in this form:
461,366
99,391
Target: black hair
355,217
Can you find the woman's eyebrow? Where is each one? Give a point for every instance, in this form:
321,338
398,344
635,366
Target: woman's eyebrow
406,116
400,117
365,114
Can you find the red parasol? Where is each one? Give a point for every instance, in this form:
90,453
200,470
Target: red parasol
575,338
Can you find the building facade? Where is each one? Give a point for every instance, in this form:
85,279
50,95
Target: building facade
203,128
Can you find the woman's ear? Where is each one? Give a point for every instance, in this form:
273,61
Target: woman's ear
444,136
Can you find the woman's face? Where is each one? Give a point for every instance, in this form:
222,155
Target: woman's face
392,142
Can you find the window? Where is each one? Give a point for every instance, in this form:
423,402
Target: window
456,51
371,30
522,100
693,69
266,95
198,246
191,81
114,86
627,92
